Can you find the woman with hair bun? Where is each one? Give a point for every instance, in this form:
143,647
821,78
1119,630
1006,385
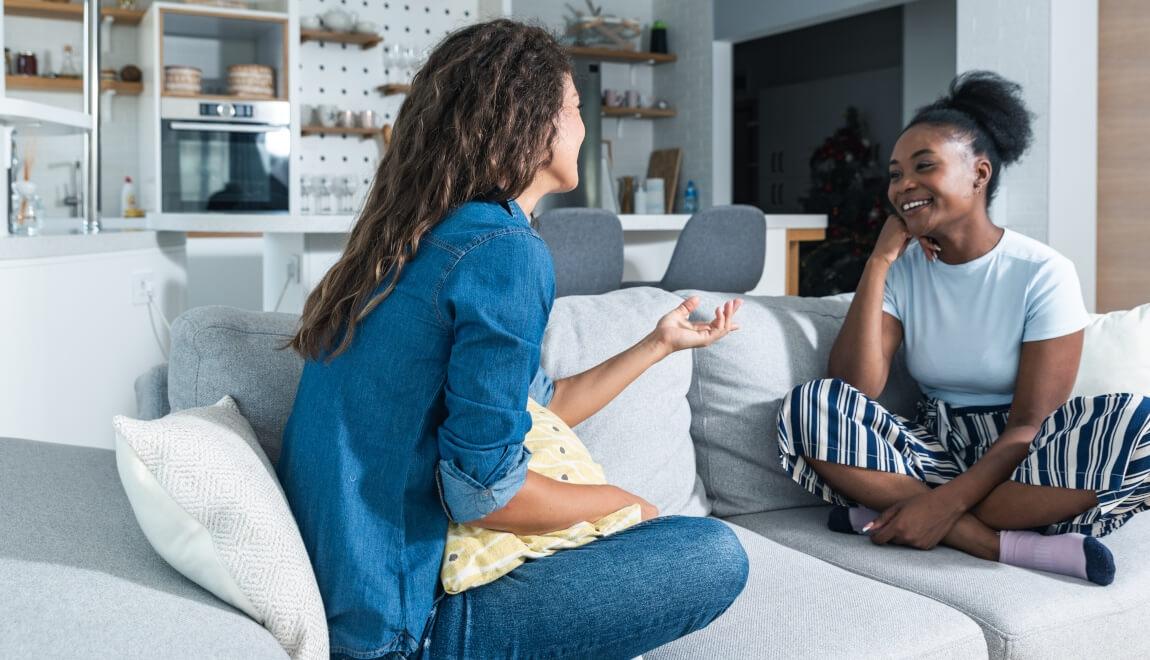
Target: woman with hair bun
992,323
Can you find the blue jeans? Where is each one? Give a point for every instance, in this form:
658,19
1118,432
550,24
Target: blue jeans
617,597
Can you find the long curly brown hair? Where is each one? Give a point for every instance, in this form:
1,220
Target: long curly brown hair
477,125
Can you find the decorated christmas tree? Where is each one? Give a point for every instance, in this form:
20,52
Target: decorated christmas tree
849,187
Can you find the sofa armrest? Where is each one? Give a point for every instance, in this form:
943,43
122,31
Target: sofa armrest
152,393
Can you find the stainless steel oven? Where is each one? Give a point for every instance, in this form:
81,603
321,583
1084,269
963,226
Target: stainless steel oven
219,156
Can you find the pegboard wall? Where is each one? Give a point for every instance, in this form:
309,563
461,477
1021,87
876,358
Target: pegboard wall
346,76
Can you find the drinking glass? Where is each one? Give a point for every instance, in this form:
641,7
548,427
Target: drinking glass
410,63
323,202
351,185
305,193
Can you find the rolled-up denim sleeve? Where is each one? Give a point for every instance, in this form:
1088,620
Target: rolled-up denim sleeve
542,388
497,300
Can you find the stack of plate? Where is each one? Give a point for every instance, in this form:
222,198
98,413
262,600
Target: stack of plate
251,80
183,80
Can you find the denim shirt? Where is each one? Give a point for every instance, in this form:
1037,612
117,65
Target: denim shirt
420,421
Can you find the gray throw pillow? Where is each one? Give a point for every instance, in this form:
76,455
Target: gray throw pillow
739,386
642,438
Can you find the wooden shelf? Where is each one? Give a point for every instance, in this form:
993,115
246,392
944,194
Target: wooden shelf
393,88
67,11
340,130
624,56
638,113
363,40
33,83
223,97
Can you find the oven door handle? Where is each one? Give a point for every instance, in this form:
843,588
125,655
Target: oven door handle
224,128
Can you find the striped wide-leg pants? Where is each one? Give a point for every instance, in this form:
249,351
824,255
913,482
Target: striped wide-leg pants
1099,443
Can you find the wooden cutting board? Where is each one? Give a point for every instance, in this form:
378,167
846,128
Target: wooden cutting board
665,164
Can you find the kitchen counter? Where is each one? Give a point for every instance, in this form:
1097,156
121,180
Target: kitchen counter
340,224
298,250
64,244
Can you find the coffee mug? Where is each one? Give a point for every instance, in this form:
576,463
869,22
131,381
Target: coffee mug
327,115
345,118
369,119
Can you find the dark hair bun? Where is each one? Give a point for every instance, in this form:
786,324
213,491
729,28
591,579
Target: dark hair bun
996,105
989,109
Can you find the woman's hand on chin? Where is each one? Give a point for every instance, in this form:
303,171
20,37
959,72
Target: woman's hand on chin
894,238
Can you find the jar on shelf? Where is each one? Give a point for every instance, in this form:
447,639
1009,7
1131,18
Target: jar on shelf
26,63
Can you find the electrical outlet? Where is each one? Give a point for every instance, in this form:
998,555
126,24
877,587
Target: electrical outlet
143,285
294,268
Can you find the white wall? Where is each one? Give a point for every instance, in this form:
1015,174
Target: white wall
688,85
74,343
226,271
1012,38
1073,172
929,51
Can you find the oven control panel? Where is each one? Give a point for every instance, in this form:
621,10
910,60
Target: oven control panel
227,110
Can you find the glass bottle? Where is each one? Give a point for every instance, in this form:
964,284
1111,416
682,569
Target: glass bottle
68,66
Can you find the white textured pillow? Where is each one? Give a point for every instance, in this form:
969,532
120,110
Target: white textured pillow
1116,354
208,501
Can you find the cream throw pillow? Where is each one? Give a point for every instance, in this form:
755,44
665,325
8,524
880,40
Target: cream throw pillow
474,556
1116,354
208,501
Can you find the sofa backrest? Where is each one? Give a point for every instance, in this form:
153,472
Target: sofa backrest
739,386
724,398
642,438
222,350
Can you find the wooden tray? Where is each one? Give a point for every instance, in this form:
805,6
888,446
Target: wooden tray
664,164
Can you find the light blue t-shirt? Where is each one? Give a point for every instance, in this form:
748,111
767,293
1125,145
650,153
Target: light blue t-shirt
964,325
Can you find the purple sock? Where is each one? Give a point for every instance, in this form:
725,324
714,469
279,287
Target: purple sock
1075,555
861,517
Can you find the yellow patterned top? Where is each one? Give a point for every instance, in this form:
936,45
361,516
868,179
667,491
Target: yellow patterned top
475,556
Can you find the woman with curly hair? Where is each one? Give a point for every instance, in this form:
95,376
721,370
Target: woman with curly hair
998,463
421,346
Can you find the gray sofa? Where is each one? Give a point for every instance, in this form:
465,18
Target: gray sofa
696,435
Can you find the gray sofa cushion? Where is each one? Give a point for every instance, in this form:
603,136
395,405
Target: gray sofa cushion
795,606
642,438
1023,613
80,578
219,351
740,383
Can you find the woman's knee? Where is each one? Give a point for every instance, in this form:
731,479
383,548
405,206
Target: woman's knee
802,406
713,565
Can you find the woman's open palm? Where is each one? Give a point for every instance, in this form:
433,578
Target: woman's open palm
678,332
